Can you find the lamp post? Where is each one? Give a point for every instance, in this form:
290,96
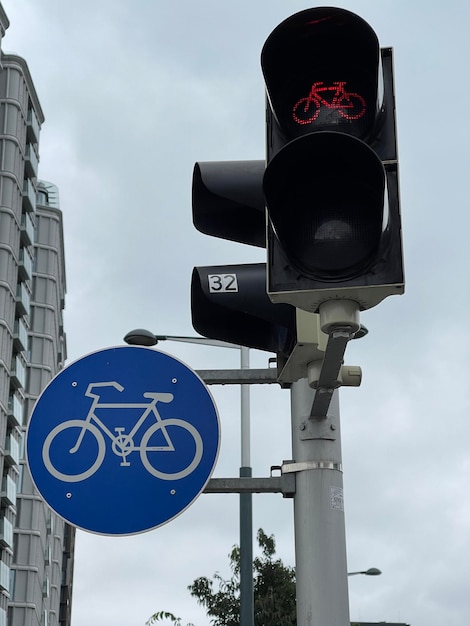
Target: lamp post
143,337
372,571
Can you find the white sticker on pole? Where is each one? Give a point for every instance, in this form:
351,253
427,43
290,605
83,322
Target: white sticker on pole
336,498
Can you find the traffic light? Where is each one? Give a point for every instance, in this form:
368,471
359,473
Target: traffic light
325,203
230,302
331,179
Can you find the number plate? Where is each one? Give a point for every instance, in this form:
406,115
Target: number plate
222,283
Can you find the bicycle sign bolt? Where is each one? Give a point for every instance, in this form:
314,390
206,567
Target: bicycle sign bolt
68,495
174,380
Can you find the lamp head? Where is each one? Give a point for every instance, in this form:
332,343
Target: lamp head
140,337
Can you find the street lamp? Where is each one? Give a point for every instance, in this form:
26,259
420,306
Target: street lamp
372,571
143,337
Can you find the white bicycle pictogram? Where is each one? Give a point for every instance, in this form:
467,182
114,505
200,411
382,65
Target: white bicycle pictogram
123,443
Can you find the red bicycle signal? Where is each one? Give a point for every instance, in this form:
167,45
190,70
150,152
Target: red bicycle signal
351,106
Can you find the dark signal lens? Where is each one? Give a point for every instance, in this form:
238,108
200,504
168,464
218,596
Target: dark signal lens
325,198
334,241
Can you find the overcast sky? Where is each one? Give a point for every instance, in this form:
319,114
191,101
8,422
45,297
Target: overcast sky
133,95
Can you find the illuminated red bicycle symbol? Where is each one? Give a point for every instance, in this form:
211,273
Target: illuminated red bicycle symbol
349,105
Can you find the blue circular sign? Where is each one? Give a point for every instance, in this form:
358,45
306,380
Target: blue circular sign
123,440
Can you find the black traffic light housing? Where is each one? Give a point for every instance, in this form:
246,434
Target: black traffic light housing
228,200
331,181
325,203
230,302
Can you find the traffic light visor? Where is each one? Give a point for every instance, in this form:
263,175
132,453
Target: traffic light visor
228,202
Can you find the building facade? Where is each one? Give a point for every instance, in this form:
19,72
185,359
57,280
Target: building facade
36,547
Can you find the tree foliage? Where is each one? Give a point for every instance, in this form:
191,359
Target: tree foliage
156,617
273,586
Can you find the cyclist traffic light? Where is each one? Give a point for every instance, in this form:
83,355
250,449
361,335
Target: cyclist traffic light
331,180
230,302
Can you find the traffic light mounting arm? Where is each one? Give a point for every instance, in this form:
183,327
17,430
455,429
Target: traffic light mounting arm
319,357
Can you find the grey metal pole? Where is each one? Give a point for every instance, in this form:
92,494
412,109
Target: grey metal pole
246,506
320,541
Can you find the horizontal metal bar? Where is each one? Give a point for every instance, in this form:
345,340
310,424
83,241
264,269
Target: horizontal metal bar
239,376
274,484
244,485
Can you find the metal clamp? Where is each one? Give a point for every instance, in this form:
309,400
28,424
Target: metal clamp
303,466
